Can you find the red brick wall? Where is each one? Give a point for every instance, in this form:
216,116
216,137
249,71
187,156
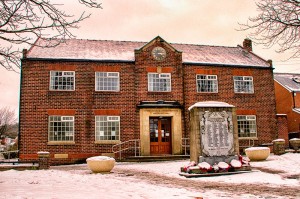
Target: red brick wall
262,102
37,101
284,105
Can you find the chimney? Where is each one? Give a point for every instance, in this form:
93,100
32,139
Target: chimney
247,45
270,62
24,53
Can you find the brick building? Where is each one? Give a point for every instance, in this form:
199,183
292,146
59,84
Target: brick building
287,93
81,97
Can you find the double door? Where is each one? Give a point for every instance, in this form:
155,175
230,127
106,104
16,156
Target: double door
160,135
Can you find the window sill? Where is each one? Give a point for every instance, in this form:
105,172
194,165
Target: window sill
99,91
248,138
61,90
207,92
107,142
244,93
159,92
61,143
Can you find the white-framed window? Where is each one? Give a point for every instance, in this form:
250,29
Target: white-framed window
243,84
61,128
207,83
62,80
159,82
107,128
107,81
247,125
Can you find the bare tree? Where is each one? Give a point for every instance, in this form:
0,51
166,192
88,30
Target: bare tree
278,22
7,120
23,21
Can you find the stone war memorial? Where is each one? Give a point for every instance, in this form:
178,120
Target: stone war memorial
214,146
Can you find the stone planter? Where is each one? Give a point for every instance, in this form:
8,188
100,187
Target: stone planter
257,153
100,164
295,143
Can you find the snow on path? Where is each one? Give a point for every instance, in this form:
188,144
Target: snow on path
76,181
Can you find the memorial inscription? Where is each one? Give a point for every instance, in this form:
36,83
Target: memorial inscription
216,133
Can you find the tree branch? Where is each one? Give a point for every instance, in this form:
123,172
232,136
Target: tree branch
22,22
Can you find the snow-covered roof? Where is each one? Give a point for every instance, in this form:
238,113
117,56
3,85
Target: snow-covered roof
297,110
290,81
210,104
107,50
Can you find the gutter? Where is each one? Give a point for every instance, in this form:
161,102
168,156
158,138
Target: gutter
80,60
20,94
227,65
133,61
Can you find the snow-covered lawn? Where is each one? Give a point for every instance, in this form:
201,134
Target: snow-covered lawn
279,177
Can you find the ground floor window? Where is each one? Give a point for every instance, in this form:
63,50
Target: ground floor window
247,125
61,128
107,128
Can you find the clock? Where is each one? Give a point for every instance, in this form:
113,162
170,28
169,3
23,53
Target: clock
159,53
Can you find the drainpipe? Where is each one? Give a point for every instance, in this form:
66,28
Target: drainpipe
293,93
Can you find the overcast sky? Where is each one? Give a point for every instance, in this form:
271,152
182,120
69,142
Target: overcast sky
204,22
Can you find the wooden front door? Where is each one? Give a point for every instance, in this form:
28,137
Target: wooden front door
160,135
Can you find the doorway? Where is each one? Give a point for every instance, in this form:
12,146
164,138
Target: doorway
160,135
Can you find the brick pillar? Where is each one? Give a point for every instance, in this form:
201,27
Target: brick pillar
282,126
44,157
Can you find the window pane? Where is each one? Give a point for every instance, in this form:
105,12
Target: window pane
243,84
207,83
247,125
159,82
107,81
62,80
60,130
107,128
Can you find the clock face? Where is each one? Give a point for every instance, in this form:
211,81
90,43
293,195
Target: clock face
159,53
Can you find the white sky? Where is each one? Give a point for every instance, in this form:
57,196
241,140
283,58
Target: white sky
202,22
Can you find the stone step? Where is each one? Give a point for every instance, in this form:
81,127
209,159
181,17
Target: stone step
155,158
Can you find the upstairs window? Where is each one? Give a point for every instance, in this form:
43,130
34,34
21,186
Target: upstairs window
107,128
62,80
159,82
207,83
107,81
247,125
243,84
61,128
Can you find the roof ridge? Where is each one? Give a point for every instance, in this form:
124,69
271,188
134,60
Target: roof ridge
111,40
204,45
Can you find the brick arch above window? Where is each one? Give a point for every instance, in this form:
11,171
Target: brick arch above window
63,112
107,68
107,112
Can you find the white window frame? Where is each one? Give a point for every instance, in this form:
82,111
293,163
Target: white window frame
64,75
212,88
247,126
109,76
244,84
108,125
55,132
158,80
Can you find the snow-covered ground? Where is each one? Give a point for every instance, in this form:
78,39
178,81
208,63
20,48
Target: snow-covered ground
279,177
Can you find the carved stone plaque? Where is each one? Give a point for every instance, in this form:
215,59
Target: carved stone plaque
216,133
